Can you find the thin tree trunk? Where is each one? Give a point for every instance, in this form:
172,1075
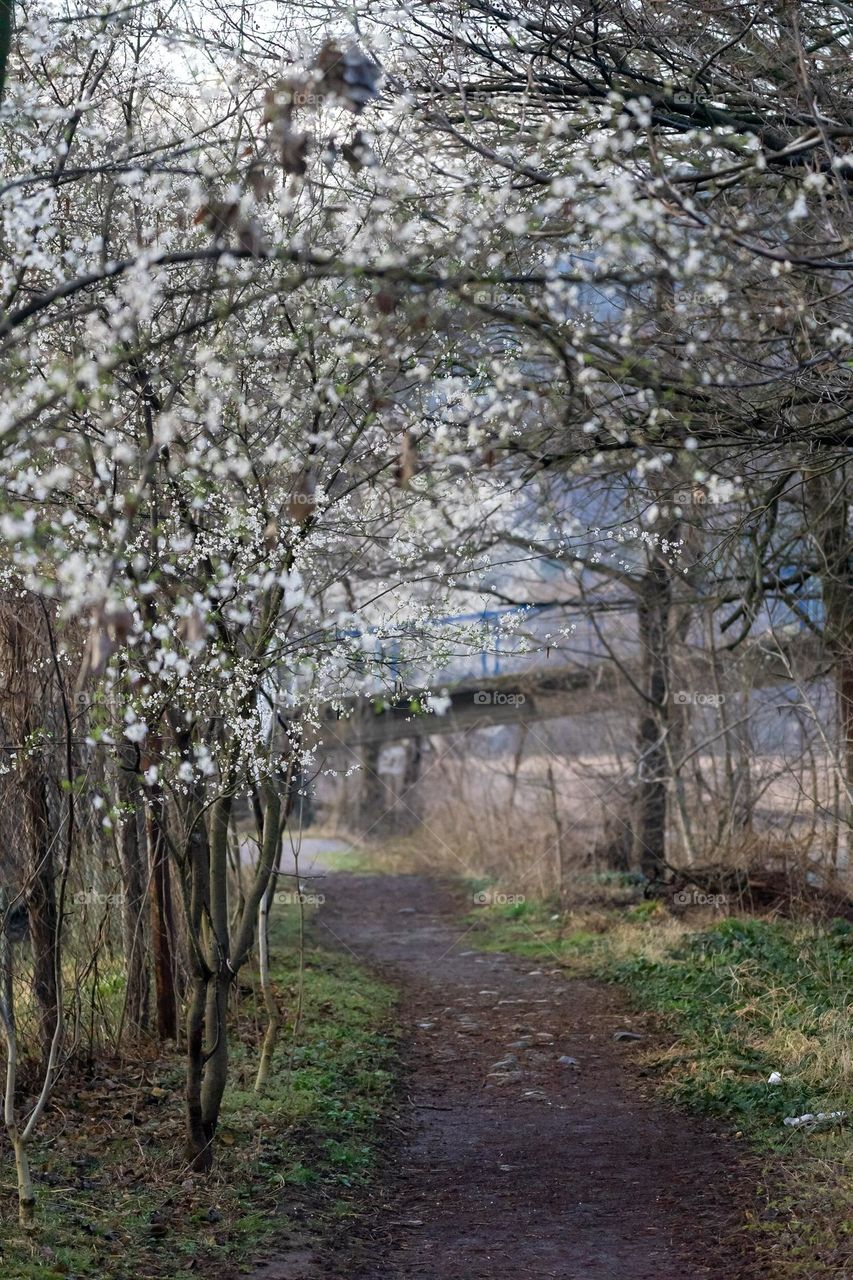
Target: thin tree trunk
196,903
26,1195
409,809
216,959
829,511
41,900
162,921
273,1016
133,875
198,1148
651,807
216,1003
372,794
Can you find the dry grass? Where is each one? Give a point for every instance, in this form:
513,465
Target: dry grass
542,826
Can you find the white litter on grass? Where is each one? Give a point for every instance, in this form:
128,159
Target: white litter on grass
810,1119
774,1078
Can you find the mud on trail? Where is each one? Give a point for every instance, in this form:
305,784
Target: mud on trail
509,1164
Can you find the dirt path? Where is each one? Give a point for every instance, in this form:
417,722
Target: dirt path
514,1165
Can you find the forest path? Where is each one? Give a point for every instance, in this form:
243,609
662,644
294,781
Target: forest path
534,1169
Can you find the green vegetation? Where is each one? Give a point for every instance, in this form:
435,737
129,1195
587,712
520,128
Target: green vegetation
740,999
122,1205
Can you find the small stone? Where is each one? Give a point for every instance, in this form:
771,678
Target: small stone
626,1035
566,1061
503,1077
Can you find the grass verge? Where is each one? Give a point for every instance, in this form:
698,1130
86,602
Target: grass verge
740,999
115,1199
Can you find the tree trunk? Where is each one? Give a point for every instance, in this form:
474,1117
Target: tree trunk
216,1051
273,1017
162,920
198,1149
372,794
41,900
133,875
26,1195
829,512
196,899
409,807
653,610
216,958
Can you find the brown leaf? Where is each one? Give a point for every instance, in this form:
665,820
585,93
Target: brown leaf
219,216
250,237
293,146
358,152
386,301
260,182
348,74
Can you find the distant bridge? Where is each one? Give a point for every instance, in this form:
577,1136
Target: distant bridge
553,691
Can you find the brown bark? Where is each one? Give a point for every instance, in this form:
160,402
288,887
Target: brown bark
653,615
134,878
162,919
372,794
216,959
41,899
829,512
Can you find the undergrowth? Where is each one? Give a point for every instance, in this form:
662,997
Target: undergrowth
114,1197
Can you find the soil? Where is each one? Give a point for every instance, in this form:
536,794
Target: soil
506,1163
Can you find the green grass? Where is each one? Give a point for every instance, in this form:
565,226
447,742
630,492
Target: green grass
114,1197
738,999
356,861
745,997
